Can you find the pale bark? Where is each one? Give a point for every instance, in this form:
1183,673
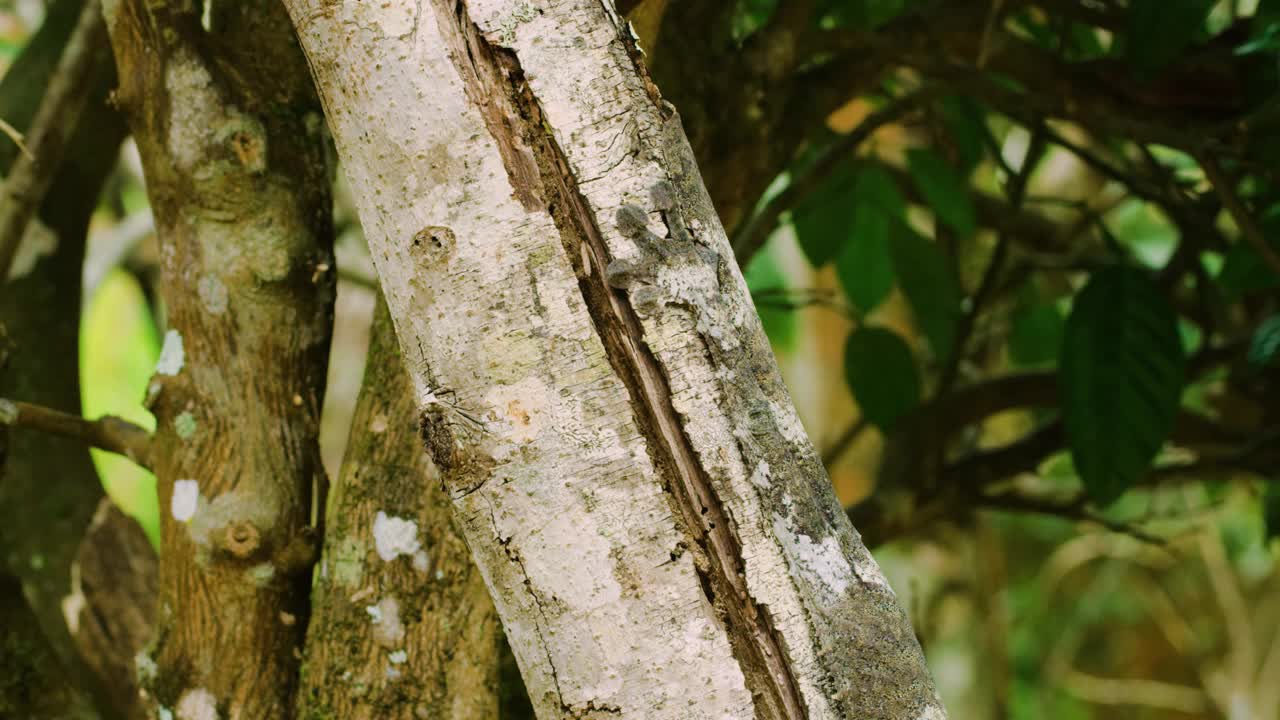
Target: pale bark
231,142
415,637
657,532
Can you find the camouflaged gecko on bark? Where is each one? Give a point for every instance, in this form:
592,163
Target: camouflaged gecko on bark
674,270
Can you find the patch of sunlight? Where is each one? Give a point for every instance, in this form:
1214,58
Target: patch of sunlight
118,350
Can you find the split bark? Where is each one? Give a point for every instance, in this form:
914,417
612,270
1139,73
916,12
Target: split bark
657,532
408,624
230,137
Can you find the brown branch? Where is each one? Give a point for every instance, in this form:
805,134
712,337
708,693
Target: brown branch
1231,201
108,432
1074,509
63,101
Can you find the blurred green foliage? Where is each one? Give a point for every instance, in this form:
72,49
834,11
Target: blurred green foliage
118,351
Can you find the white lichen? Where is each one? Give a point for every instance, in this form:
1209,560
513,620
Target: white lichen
172,356
823,563
73,603
197,704
399,657
388,630
144,668
186,497
760,476
261,574
421,562
213,294
394,536
165,713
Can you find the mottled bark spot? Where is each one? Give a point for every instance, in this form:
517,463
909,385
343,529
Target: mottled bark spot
242,539
436,242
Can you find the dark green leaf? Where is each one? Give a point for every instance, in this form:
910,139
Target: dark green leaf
1264,33
1159,30
926,279
1243,269
1265,346
876,187
1035,333
1121,375
944,190
965,120
1271,510
864,266
882,374
824,219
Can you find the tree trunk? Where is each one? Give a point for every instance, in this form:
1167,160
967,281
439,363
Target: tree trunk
657,532
230,138
416,636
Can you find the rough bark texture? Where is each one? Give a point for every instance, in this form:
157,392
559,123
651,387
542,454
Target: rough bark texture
230,139
116,578
657,532
404,635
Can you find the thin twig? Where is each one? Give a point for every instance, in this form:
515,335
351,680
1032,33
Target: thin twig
1231,201
108,432
844,442
1074,509
63,101
16,136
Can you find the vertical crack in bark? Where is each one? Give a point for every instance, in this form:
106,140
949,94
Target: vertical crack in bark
541,179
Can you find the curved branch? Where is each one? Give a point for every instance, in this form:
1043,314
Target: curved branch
108,432
55,120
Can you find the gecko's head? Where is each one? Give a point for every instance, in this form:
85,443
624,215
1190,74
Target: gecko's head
663,195
632,221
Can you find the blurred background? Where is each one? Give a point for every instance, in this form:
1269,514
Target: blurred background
1022,282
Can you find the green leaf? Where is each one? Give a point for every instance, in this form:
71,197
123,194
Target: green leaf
1265,346
926,279
877,187
1121,375
1159,30
944,189
964,119
1035,333
864,266
881,372
1264,32
1243,269
762,273
824,218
